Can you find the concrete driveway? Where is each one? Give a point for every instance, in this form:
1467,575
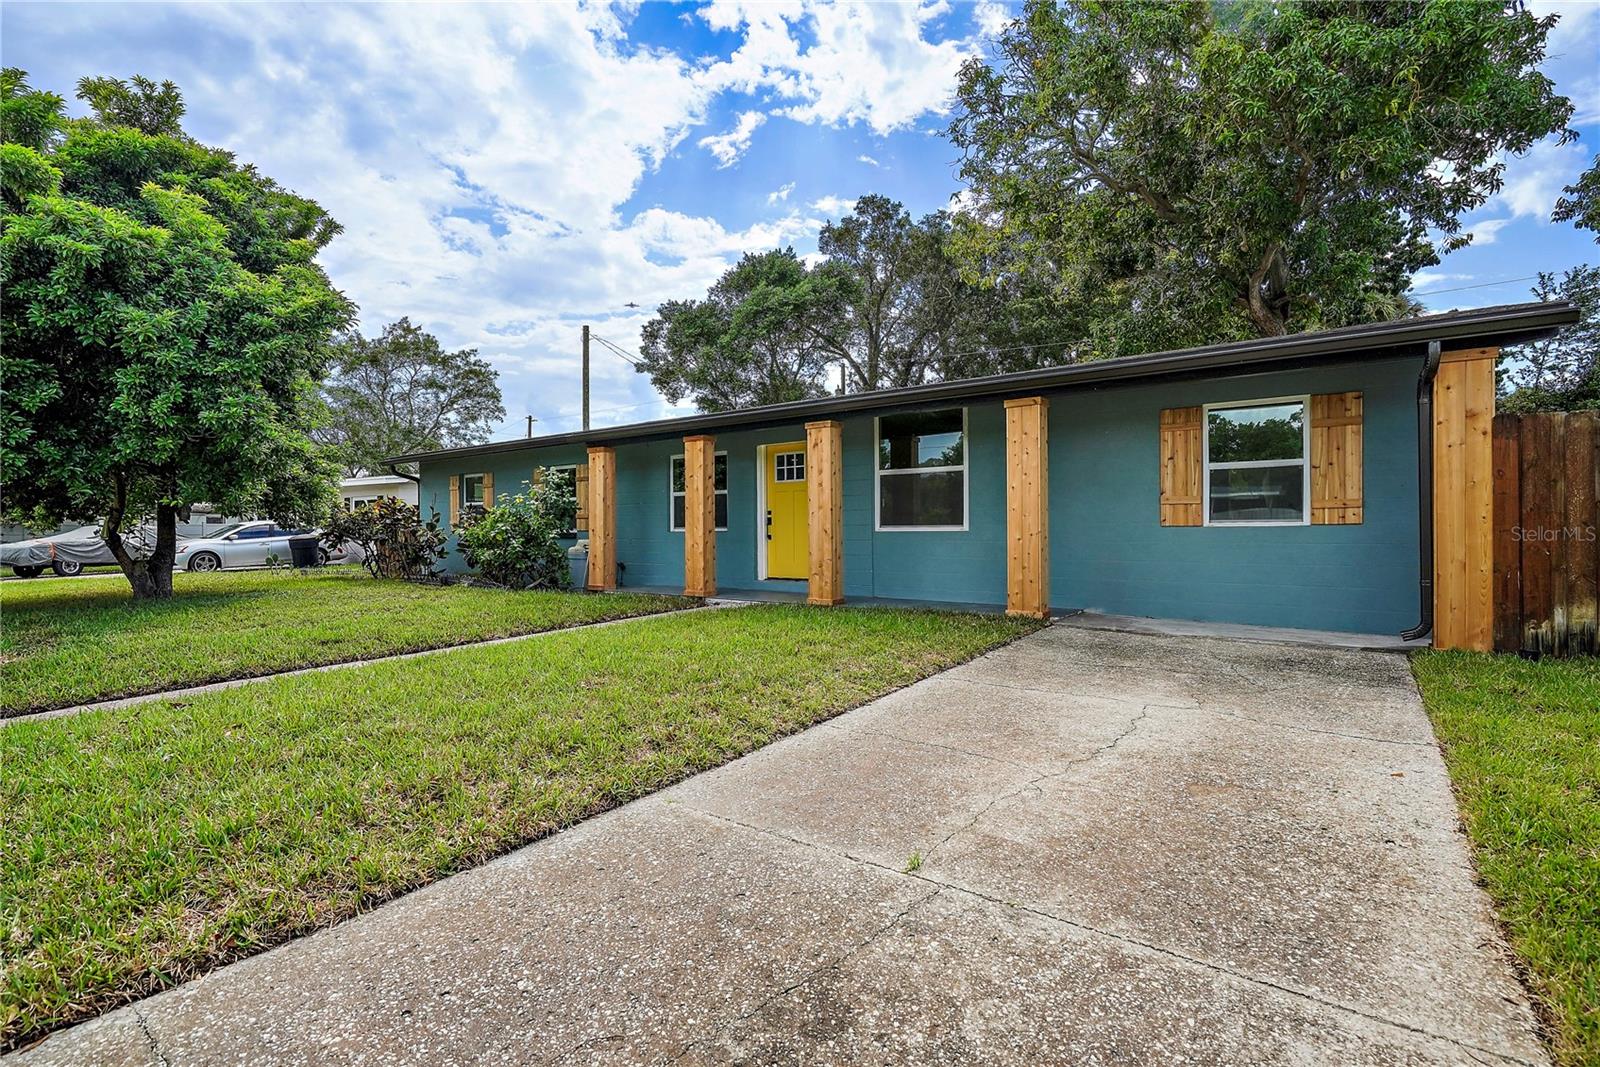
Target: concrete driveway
1086,847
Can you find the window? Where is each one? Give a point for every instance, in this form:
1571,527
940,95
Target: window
568,472
1256,470
789,467
471,492
922,470
254,533
719,467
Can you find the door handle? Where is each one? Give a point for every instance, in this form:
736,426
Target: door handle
769,524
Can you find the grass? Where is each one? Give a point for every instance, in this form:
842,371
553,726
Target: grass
149,844
70,642
1522,741
93,568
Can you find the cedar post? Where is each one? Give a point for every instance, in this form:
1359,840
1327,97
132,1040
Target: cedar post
602,519
825,511
1027,507
699,516
1463,500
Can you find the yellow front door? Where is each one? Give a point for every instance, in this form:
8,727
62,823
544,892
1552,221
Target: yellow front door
788,552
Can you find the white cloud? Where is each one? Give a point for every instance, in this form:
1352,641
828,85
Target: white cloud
1486,231
991,17
1431,279
728,147
780,194
833,205
869,161
868,63
1534,181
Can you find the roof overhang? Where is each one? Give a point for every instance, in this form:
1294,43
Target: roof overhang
1480,327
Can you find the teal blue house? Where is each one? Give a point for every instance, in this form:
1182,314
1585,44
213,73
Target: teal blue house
1283,482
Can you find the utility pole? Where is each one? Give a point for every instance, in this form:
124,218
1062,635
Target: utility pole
531,421
585,376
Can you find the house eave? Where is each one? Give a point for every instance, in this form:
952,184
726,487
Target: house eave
1481,327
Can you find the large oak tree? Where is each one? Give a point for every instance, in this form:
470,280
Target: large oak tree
1191,172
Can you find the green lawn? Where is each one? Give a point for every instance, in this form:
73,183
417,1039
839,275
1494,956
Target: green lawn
66,642
146,845
1522,741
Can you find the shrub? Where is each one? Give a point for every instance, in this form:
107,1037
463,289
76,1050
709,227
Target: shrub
393,539
515,542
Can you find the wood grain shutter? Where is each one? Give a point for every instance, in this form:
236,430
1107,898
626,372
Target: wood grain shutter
580,485
538,478
1182,466
1336,459
488,491
455,501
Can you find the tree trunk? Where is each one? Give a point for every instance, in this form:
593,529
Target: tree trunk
1265,301
151,578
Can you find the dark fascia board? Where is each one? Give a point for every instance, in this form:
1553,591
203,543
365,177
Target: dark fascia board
1479,327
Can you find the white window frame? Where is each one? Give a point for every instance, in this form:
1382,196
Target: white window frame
673,494
573,467
1304,400
462,506
964,468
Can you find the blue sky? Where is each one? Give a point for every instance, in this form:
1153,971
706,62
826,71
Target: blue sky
506,173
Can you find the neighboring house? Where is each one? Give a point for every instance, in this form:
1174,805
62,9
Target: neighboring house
353,492
1272,482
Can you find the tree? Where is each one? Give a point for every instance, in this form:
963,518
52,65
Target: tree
402,392
1188,173
163,332
907,303
1559,373
755,339
1581,203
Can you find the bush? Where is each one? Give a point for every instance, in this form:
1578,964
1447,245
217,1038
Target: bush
393,539
515,542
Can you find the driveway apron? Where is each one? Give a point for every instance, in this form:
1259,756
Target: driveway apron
1084,847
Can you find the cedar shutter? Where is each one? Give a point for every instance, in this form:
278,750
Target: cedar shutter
538,478
1181,466
1336,459
580,485
488,491
455,501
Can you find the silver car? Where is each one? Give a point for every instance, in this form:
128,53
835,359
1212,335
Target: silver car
245,544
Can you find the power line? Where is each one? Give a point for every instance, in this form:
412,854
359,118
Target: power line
1480,285
618,349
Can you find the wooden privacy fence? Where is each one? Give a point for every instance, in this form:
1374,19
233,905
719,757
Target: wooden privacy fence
1546,521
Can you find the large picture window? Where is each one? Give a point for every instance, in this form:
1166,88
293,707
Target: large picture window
719,468
922,470
1256,470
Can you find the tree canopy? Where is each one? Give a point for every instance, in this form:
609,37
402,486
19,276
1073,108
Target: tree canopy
1184,173
1580,202
1559,373
403,392
164,328
755,339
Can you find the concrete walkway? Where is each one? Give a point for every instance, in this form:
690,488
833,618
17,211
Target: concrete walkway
1086,847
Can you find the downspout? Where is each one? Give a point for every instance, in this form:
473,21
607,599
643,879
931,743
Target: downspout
395,470
1430,368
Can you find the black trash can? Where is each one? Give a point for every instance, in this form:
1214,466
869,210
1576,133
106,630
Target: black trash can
303,551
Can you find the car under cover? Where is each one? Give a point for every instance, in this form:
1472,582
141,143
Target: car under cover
83,545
